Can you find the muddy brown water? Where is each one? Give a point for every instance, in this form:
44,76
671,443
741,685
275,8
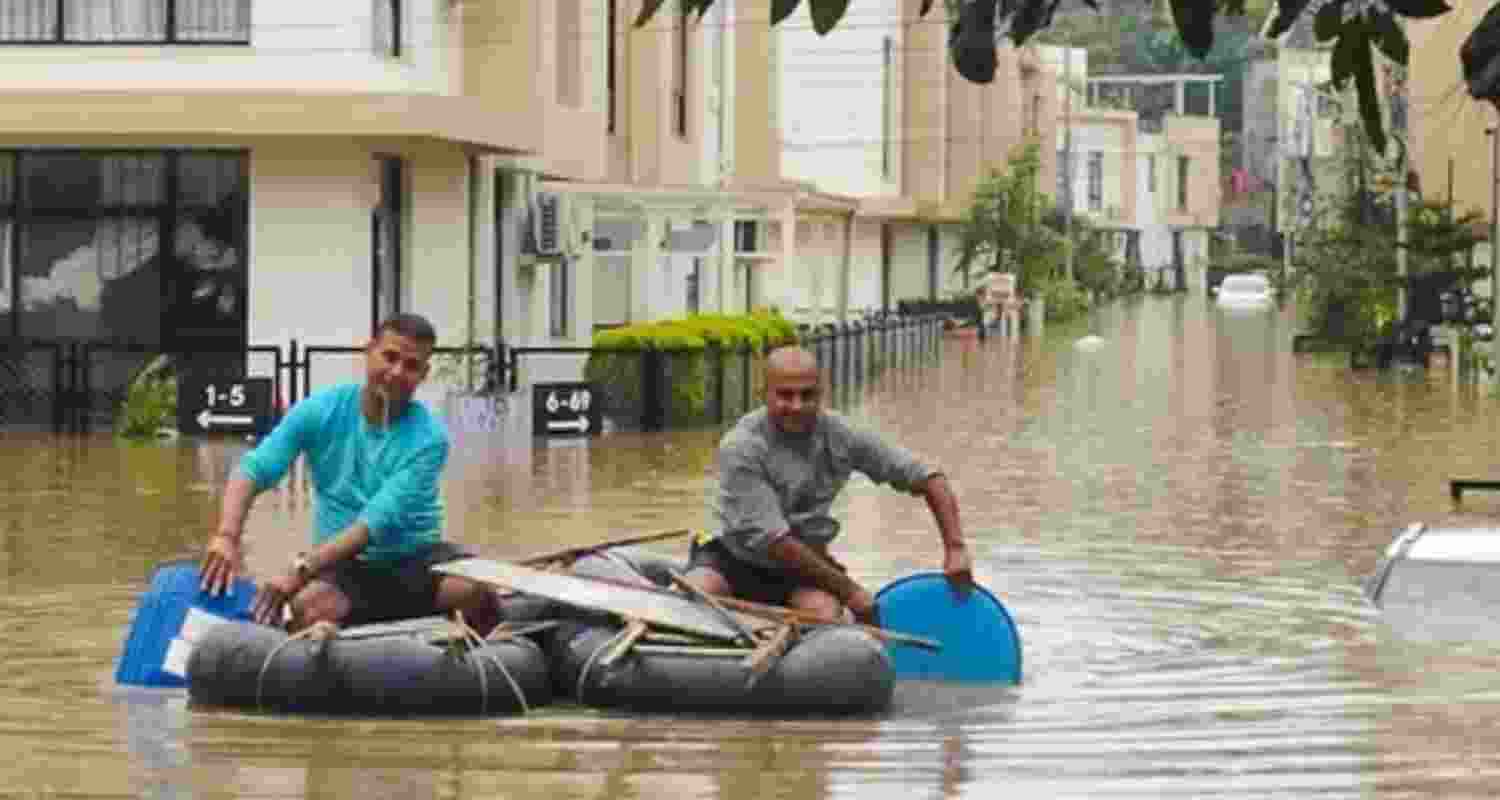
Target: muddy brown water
1179,522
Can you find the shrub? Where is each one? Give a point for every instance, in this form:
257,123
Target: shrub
687,345
150,406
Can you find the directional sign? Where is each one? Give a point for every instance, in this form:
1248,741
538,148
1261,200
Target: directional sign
565,409
224,405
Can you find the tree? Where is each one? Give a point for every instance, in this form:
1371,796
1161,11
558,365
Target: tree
1358,28
1003,229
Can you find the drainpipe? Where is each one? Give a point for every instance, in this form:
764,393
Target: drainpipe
473,272
845,278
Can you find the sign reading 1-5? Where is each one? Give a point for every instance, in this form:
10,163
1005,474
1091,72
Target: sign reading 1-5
224,405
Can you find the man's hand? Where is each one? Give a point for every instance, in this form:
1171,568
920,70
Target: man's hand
862,605
273,597
959,569
221,564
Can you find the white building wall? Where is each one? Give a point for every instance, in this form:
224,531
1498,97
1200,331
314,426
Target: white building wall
309,276
327,45
909,278
864,267
1156,239
833,108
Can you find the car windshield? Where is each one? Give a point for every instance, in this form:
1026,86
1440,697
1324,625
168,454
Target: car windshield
1245,284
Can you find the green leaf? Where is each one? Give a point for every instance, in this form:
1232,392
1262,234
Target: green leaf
648,10
1195,24
1369,101
1287,12
1420,9
1391,39
781,9
1346,54
1328,21
827,13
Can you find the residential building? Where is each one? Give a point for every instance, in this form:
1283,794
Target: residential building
206,174
1154,178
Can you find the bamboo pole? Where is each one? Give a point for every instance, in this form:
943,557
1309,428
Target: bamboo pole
572,553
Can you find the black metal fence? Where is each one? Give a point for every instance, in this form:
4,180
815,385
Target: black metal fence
654,390
75,386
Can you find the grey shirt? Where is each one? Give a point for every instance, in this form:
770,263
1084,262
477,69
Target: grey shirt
770,481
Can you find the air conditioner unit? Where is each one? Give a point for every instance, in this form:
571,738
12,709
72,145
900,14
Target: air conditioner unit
544,226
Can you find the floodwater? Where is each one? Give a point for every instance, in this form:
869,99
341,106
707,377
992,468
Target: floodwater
1179,522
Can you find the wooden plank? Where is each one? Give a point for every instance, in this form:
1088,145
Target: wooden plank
657,607
570,554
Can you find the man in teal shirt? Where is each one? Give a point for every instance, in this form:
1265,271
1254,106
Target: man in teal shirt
376,456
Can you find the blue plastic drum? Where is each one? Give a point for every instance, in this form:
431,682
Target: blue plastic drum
169,619
980,643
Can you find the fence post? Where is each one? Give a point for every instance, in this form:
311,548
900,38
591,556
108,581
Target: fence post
83,386
653,414
293,364
57,386
719,367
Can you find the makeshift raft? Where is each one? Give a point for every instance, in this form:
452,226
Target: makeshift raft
693,654
419,667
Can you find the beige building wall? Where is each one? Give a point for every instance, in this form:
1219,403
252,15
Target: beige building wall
1448,126
1196,138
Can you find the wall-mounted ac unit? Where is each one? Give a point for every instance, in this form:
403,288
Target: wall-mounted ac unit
543,235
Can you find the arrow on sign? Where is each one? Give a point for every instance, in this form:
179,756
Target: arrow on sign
581,425
207,419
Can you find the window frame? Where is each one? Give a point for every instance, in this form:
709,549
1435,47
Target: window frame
168,213
171,38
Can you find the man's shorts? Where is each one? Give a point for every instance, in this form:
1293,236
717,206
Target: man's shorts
749,581
394,590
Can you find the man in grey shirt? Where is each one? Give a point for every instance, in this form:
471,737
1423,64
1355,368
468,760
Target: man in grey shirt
780,469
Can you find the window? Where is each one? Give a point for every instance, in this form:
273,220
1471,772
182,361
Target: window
386,231
388,33
125,22
1151,173
568,46
1096,180
611,54
142,246
888,108
680,72
557,298
1183,164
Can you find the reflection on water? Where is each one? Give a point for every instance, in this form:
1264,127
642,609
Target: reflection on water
1178,520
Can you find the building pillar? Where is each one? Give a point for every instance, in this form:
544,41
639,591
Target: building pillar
645,262
581,329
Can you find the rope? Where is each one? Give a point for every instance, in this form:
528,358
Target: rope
588,665
319,630
478,644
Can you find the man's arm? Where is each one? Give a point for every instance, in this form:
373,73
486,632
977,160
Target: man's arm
957,564
257,471
805,562
884,463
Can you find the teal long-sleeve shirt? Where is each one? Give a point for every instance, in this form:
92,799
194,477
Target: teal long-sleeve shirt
386,477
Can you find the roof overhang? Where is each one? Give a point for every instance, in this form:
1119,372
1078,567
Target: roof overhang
46,116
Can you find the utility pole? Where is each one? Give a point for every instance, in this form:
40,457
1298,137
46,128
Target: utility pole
1068,157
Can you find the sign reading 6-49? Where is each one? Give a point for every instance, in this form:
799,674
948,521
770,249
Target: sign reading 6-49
560,409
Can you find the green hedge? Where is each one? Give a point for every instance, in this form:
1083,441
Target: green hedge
615,366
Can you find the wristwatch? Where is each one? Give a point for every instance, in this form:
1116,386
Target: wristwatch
303,565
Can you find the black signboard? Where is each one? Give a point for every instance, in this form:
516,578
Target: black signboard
565,409
224,405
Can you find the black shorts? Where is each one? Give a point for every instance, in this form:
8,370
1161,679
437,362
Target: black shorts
391,591
749,581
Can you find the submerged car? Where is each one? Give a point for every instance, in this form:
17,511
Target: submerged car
1246,290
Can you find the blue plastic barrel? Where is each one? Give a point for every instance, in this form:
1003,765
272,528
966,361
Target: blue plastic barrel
980,643
169,617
